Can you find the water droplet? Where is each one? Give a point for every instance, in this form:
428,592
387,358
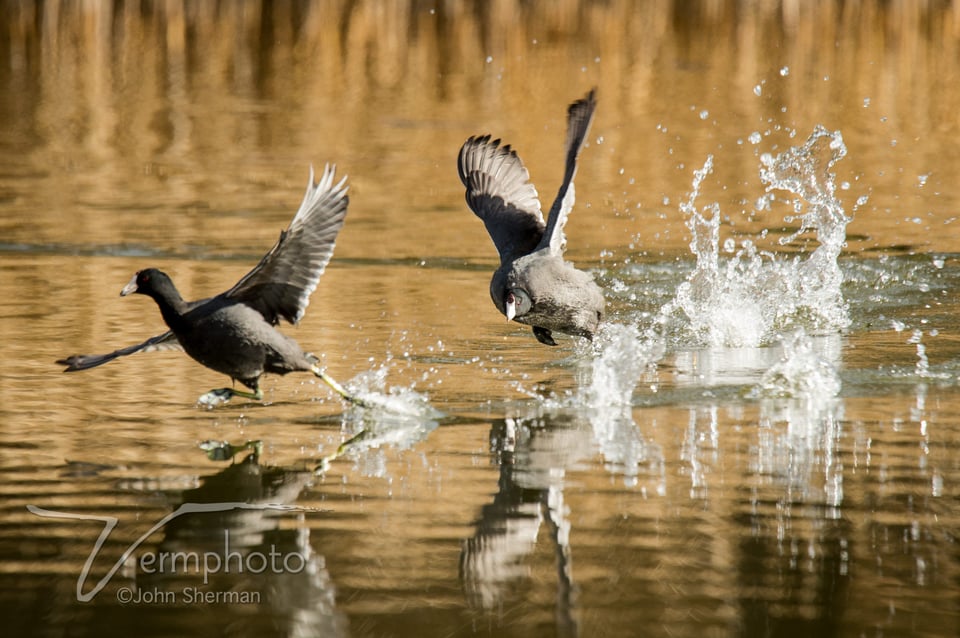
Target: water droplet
704,114
785,71
489,59
866,102
758,90
755,137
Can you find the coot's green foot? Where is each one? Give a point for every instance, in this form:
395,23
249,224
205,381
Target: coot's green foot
339,389
222,395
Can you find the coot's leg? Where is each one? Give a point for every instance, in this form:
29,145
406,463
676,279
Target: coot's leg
339,389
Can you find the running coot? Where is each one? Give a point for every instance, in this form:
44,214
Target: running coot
534,285
234,332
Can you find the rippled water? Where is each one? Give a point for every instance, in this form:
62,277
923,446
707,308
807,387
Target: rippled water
761,441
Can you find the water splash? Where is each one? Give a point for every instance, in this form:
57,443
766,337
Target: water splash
752,296
800,374
394,417
399,401
621,355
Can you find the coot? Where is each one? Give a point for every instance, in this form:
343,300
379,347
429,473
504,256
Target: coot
534,285
234,332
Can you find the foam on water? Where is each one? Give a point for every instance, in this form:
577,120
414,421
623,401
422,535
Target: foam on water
749,298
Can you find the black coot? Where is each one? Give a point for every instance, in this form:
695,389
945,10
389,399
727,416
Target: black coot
234,332
533,285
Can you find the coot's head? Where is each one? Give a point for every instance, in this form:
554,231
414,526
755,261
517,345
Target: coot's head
517,303
146,282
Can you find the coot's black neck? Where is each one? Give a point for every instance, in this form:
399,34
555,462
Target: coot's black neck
172,306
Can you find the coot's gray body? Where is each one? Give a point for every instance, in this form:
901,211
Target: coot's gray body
534,285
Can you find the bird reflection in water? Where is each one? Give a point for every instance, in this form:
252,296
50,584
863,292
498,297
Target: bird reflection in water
253,553
534,456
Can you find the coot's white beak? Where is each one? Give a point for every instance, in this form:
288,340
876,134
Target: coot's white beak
130,288
511,307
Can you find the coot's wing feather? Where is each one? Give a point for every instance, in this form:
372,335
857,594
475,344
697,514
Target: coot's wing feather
500,193
166,341
281,284
579,117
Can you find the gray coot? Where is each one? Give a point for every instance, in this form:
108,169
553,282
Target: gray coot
234,332
534,285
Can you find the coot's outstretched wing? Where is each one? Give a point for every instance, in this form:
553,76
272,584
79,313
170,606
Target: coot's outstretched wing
166,341
281,284
579,117
500,193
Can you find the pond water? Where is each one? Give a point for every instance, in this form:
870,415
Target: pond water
762,440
